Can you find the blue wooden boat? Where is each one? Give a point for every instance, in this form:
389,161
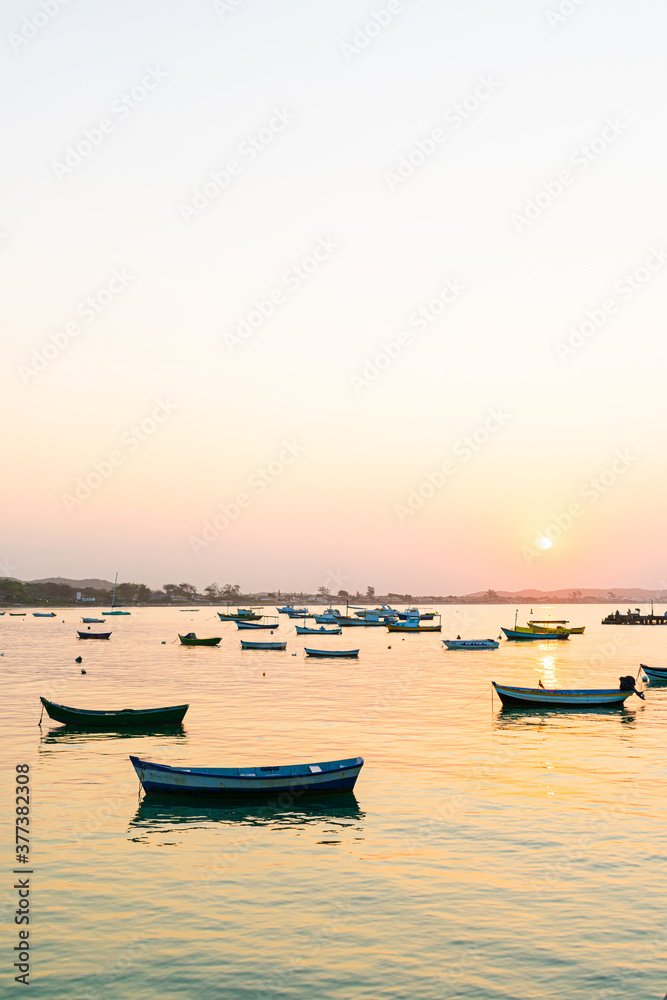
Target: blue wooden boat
567,697
237,782
256,625
301,630
332,652
120,718
43,614
289,610
471,643
93,635
247,644
116,613
655,673
93,621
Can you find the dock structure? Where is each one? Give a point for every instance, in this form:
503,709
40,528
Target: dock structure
635,619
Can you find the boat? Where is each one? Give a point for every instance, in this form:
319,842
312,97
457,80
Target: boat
247,644
243,614
414,613
414,624
302,630
525,633
471,643
350,653
18,614
93,621
186,611
43,614
125,717
116,613
93,635
300,614
655,673
191,640
113,602
255,625
567,697
289,610
527,636
235,782
559,624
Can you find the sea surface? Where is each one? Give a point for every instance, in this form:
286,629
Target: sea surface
485,853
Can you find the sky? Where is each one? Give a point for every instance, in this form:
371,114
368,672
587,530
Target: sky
309,294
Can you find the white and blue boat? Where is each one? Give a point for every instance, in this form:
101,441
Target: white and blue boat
655,673
236,782
43,614
256,625
471,643
302,630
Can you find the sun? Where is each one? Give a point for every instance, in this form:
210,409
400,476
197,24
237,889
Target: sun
544,543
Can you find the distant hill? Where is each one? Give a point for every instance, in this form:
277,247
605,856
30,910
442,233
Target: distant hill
619,594
79,584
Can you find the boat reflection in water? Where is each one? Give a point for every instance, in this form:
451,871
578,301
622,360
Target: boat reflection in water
79,734
516,716
160,814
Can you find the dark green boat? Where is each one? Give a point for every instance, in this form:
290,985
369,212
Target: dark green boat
191,640
130,717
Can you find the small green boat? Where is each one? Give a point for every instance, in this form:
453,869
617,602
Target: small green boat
129,718
243,614
191,640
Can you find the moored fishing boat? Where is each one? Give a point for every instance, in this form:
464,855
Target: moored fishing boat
18,614
236,782
349,653
93,621
655,673
191,640
107,613
43,614
93,635
248,644
322,630
120,718
414,624
471,643
567,697
242,614
521,635
257,625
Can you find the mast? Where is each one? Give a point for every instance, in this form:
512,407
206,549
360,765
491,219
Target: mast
114,591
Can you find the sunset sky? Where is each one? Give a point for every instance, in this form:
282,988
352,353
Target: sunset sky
304,294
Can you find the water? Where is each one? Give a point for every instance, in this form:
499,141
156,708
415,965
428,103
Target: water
484,854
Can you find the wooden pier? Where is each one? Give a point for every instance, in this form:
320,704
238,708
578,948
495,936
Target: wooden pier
618,619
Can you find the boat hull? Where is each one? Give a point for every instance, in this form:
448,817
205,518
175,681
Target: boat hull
655,673
116,613
349,653
42,614
93,635
131,718
560,698
471,643
414,628
262,645
199,642
255,625
230,783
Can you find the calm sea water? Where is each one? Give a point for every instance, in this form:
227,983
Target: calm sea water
484,854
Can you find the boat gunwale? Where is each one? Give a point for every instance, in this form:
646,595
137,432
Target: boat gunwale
279,771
